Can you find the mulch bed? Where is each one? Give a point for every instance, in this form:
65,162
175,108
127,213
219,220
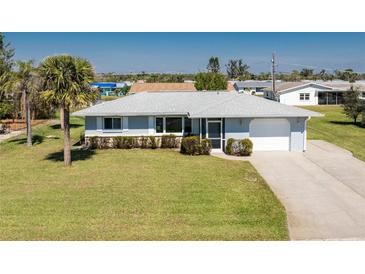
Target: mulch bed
19,124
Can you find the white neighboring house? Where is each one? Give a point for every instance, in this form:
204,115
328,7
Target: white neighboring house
312,93
215,115
252,87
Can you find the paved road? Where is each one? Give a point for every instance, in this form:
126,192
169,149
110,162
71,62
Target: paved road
323,190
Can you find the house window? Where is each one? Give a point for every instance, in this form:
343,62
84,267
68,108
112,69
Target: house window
187,126
304,96
173,124
112,123
159,125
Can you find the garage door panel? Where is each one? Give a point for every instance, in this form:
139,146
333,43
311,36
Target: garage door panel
270,134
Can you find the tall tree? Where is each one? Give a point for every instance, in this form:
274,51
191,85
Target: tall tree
67,81
353,105
27,83
237,69
6,64
210,81
307,74
213,65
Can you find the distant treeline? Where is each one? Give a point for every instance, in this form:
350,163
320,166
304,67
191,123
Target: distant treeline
295,75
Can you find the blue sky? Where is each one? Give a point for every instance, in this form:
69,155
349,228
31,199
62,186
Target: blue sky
189,52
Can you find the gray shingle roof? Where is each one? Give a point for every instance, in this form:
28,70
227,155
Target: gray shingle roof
253,84
195,105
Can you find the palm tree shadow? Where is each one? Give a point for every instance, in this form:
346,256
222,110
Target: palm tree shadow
347,123
36,140
58,126
76,155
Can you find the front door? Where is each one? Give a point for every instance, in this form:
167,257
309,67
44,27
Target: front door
215,134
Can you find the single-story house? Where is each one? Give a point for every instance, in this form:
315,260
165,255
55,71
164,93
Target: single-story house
311,93
252,87
161,87
216,115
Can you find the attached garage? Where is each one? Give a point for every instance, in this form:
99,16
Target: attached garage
270,134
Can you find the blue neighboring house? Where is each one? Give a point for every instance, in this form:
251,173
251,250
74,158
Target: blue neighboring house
108,88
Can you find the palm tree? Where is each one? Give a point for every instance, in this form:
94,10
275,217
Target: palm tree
27,82
66,82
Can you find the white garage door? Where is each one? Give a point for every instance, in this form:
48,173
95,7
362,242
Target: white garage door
270,134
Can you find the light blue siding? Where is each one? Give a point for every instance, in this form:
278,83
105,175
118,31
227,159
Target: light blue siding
237,128
138,125
90,123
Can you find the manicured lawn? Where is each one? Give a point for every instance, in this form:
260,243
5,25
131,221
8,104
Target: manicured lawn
130,195
336,128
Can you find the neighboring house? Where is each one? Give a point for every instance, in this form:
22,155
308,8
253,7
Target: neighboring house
216,115
108,88
312,93
252,87
142,87
153,87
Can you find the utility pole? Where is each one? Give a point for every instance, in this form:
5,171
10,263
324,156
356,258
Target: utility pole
273,75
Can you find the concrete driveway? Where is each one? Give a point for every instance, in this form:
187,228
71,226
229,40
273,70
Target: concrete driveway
323,190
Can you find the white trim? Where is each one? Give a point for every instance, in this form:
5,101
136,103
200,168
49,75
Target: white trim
164,125
112,129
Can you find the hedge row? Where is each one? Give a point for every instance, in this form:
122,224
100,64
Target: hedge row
128,142
239,147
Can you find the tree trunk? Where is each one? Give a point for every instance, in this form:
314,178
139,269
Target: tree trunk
28,120
66,136
62,117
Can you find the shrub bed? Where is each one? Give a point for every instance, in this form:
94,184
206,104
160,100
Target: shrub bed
192,145
169,141
129,142
239,147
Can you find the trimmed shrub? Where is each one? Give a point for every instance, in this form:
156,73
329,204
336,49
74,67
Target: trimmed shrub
143,142
229,146
169,141
192,145
246,146
127,142
93,142
153,142
239,147
205,147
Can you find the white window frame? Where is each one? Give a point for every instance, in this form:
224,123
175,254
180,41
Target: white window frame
306,96
113,130
164,125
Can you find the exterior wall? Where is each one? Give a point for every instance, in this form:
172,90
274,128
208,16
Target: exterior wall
298,134
292,98
237,128
195,124
131,126
138,125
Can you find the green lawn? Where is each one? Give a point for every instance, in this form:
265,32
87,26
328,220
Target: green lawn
336,128
130,195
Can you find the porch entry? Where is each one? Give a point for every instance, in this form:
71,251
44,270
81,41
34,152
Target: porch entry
214,133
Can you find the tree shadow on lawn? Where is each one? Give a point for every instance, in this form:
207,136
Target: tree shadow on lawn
58,126
347,123
76,155
36,140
